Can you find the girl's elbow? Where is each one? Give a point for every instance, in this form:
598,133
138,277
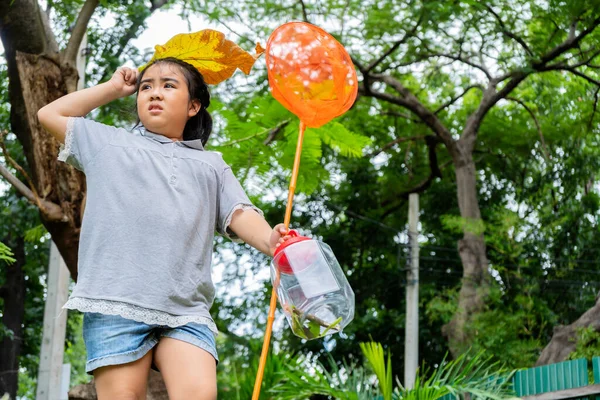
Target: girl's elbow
43,116
52,122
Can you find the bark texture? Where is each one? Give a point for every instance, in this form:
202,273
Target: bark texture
564,339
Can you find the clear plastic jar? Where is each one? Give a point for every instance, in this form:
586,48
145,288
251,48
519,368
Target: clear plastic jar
313,291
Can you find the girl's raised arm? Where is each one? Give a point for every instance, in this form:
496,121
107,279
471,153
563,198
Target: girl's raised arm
54,116
252,228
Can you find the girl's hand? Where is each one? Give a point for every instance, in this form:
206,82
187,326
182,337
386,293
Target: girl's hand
124,80
278,236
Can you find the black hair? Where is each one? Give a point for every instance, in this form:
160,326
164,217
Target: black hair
200,125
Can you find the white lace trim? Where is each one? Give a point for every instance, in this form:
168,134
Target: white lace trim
65,149
136,313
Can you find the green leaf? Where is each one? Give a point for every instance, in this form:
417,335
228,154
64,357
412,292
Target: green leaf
35,234
6,254
341,139
374,353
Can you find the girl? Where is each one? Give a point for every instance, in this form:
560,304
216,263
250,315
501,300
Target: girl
154,199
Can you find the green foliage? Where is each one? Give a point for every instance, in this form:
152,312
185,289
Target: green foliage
35,234
263,120
512,332
75,353
443,305
238,370
459,224
374,353
475,374
587,344
304,379
341,139
27,386
6,254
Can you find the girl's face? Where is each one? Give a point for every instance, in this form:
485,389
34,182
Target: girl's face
163,101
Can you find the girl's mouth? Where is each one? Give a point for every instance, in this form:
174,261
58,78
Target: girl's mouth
155,109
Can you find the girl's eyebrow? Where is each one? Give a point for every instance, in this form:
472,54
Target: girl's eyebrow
167,79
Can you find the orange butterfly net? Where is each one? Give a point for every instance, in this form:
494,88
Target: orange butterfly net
312,75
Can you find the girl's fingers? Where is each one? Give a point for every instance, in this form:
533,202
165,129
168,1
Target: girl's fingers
129,75
133,76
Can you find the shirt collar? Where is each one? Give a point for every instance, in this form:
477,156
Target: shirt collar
194,144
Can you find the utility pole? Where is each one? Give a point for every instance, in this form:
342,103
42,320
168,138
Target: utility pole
55,325
411,339
54,376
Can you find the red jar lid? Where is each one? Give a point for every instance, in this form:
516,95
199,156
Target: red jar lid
282,263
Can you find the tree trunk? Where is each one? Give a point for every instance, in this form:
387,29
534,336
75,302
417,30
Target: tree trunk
564,338
37,76
13,313
42,81
472,250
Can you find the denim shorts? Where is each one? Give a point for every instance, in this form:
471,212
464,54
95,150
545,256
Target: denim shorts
114,340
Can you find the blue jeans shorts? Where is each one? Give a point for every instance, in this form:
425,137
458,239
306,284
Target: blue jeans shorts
114,340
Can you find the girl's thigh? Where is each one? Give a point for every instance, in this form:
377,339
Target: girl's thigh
189,371
124,381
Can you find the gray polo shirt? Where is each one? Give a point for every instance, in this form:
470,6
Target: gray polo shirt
152,208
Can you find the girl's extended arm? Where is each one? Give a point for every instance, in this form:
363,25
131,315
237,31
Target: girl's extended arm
252,228
54,116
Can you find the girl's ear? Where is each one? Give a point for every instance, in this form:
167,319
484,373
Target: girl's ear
195,106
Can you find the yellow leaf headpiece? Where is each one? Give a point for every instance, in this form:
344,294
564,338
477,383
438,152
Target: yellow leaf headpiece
214,56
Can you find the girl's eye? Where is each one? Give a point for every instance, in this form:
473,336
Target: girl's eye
144,87
168,85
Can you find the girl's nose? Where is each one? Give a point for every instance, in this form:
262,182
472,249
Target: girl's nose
155,94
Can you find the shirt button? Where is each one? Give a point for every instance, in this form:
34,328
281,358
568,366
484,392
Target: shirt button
172,179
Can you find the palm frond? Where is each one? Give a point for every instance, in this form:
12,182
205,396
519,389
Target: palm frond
475,375
305,379
374,353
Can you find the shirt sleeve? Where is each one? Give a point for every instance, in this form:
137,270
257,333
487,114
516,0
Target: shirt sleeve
231,198
84,139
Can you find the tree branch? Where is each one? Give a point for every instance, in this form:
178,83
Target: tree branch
454,99
83,19
156,4
395,46
595,108
509,33
304,13
491,96
463,60
20,169
402,115
571,42
131,33
393,143
586,62
410,101
51,211
274,132
582,75
537,124
25,27
436,171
